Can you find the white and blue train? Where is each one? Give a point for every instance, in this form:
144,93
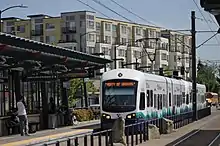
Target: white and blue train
138,96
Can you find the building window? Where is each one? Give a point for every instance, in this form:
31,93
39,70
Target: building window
107,27
123,41
114,40
164,56
82,16
138,31
151,32
39,27
123,29
108,39
72,18
90,17
50,39
114,28
82,24
106,50
10,29
70,38
91,37
129,30
158,35
21,28
10,23
121,52
98,26
136,54
90,50
152,44
98,39
38,20
90,24
50,26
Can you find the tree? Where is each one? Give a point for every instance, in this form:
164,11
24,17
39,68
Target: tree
206,75
75,89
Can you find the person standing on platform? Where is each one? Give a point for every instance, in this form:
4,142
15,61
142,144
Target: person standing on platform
52,113
22,115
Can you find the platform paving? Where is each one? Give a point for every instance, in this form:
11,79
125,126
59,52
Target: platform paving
45,135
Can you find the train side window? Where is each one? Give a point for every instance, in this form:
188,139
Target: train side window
151,98
187,98
142,101
184,97
148,98
155,101
158,101
169,99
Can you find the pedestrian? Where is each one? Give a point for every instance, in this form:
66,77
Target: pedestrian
52,113
22,115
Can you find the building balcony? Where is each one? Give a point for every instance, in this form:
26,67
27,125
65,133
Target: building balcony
67,41
66,30
39,32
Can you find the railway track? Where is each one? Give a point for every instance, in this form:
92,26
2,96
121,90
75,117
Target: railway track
207,135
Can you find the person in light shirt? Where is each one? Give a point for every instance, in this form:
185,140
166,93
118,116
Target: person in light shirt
22,115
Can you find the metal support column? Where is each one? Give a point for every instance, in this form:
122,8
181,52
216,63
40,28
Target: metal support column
115,56
194,88
45,109
17,82
65,103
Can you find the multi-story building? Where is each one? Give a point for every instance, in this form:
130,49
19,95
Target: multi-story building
116,39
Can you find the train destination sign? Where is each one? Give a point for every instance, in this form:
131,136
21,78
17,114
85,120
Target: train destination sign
120,84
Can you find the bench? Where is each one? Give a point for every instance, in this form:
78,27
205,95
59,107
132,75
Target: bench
15,128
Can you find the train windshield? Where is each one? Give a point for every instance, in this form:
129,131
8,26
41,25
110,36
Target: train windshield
119,95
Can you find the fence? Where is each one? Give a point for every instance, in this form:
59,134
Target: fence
132,137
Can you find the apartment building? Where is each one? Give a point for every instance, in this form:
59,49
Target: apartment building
116,39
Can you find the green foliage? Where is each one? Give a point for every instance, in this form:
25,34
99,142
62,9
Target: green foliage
75,87
83,115
206,75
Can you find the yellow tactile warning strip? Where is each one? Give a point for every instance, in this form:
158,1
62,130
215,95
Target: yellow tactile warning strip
49,137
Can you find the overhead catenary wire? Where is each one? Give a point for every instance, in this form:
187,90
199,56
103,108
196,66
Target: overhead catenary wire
206,21
93,8
206,40
98,2
133,13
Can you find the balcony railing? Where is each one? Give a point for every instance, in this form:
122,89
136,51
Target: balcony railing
68,41
38,32
68,29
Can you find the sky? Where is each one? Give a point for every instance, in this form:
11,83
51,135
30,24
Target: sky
172,14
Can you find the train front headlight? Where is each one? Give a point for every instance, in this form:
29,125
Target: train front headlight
106,116
131,116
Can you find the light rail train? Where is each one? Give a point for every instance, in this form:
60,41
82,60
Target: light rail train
139,96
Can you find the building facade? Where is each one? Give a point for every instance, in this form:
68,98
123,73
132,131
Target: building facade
115,39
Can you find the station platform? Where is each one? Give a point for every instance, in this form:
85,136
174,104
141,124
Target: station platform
204,132
46,135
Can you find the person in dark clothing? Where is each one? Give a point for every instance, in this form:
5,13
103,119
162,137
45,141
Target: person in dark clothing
52,113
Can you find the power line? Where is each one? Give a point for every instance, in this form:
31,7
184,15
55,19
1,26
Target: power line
206,41
98,2
133,13
93,8
205,20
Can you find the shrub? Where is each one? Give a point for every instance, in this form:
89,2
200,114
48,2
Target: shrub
83,114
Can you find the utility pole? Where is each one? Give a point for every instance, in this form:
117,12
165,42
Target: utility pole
194,88
115,56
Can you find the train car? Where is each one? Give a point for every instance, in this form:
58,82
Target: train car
138,96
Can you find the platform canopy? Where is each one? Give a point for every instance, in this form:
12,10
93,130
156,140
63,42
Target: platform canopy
42,60
213,7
